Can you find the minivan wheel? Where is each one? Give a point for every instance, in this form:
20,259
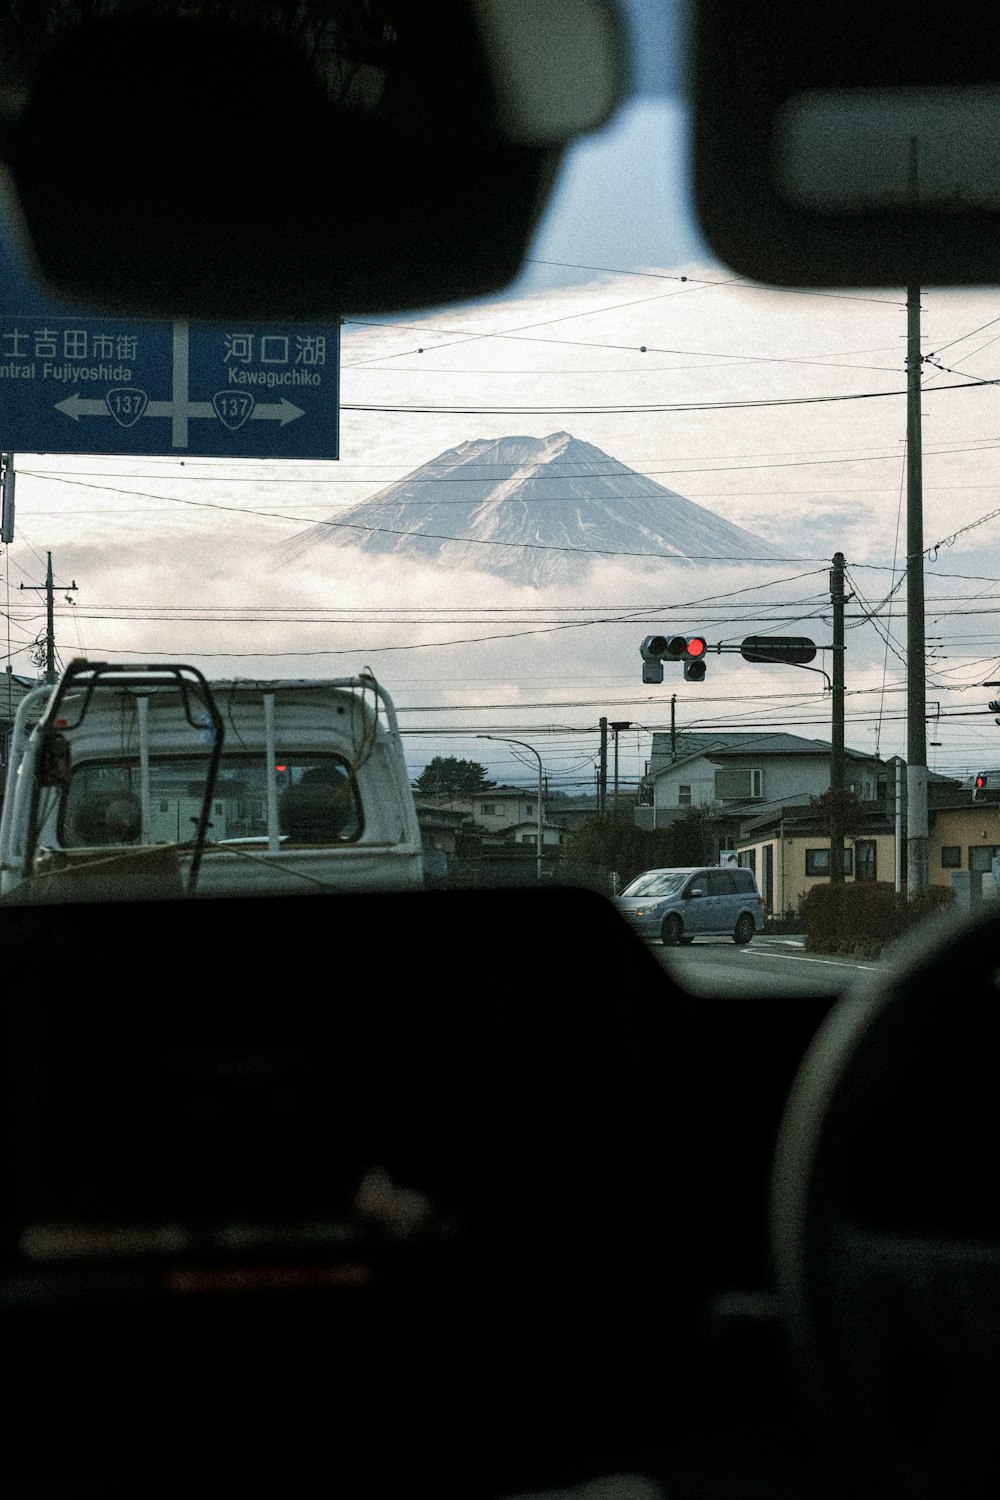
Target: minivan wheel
745,929
671,931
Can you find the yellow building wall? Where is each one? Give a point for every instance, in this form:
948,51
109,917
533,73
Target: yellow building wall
975,826
791,883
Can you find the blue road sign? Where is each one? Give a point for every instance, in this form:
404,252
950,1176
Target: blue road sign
70,384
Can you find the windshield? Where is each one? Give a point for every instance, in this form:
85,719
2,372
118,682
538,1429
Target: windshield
657,883
317,801
510,499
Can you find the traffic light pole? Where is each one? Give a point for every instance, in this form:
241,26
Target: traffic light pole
838,600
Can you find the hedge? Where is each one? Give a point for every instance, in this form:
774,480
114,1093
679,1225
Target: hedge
865,916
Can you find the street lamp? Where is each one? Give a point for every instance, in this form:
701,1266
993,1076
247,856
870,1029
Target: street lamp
506,740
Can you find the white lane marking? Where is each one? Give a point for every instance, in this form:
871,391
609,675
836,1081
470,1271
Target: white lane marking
837,963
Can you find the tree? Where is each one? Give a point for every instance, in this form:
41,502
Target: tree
613,842
447,776
851,811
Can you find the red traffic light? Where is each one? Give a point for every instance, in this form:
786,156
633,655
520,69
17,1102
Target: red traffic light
696,645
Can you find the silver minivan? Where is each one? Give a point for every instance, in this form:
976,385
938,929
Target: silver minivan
678,905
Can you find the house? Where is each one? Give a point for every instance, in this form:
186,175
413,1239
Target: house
461,832
788,849
503,807
440,827
963,836
742,773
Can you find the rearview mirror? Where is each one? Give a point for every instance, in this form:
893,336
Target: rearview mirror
367,158
848,146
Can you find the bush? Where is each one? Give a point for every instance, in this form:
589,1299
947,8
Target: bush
862,918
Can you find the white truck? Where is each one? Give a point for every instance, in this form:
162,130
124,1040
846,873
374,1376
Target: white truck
140,782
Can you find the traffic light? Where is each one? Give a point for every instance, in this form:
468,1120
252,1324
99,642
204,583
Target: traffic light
979,790
690,649
695,666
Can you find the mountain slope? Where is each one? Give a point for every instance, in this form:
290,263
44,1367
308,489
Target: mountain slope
533,511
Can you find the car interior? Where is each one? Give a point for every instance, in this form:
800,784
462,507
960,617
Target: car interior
340,1194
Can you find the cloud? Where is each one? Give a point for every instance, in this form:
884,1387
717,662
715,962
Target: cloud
665,375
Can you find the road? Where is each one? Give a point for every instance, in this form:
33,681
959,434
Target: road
767,966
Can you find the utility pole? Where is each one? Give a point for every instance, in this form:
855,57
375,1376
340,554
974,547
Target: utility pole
602,779
617,725
917,876
7,493
50,629
916,681
838,600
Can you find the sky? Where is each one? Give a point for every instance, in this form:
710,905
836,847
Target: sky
781,411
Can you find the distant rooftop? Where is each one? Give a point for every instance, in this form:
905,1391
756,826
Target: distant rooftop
667,750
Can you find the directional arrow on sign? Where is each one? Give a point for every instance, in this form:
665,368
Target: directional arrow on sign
282,411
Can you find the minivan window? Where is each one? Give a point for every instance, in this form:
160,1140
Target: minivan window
656,883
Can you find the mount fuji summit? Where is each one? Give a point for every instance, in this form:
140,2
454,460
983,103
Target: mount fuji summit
533,511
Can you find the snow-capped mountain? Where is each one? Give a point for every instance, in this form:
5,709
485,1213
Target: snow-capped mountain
534,511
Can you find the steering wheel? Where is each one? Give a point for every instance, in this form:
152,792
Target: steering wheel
885,1220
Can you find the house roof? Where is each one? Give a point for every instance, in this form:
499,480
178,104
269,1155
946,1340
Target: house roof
799,819
498,793
689,745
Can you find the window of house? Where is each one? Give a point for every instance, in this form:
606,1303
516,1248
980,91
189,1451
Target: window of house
951,856
488,810
748,860
981,857
683,796
848,861
529,809
866,854
738,783
817,861
529,838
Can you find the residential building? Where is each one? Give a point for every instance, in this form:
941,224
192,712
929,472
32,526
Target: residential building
788,849
502,807
744,773
964,836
